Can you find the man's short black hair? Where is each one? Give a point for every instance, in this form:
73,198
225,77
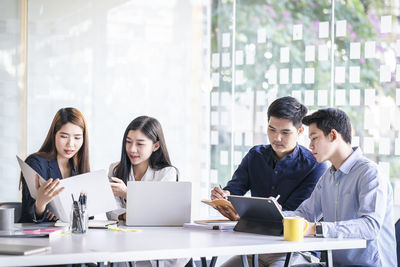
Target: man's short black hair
331,118
287,107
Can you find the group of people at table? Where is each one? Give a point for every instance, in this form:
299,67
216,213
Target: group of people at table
350,199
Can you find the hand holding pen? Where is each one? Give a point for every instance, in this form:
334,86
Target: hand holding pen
219,193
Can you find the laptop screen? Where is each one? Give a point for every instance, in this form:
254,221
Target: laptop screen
158,203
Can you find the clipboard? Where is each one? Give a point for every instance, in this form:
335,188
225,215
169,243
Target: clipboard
257,215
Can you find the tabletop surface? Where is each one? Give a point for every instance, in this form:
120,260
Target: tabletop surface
99,245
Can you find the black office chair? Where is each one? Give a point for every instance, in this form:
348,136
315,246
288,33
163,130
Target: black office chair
17,209
397,230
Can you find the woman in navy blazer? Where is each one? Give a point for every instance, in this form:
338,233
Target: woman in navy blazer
64,153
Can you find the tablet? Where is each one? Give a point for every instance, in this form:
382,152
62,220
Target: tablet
258,215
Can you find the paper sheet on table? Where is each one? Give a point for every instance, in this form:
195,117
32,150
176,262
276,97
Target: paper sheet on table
95,184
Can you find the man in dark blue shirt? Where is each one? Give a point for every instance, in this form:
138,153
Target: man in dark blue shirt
282,168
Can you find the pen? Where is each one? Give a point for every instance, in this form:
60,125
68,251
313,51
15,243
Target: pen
222,190
277,197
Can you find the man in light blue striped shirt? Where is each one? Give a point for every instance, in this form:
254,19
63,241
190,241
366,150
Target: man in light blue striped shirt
352,197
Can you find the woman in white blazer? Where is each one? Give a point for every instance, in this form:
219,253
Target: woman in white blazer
144,157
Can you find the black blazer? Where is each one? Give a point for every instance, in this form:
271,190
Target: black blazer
46,169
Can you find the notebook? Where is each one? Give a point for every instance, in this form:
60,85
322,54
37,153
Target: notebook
16,249
158,203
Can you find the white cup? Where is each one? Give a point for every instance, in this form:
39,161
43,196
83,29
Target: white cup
6,219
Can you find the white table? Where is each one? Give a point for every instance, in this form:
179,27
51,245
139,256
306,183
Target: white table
162,243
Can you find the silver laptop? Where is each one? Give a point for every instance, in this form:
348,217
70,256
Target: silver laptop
158,203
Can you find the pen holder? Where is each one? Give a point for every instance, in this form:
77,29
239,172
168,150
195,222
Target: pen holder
79,219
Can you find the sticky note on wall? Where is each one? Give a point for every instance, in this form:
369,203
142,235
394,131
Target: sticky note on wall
340,97
341,28
297,32
296,75
369,97
369,49
309,75
355,50
226,40
284,55
384,146
284,76
323,29
309,97
368,146
261,36
354,74
322,97
310,53
354,97
323,52
386,24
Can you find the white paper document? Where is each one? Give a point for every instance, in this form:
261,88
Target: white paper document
96,185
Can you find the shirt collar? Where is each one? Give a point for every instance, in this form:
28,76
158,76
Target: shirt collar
294,154
148,175
350,161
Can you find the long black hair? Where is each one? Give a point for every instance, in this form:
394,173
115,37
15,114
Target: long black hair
159,159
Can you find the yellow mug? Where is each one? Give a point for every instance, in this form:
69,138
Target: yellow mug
294,228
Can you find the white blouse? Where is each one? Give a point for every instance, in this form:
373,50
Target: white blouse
167,174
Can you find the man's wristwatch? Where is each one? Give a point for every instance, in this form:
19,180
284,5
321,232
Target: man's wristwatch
318,230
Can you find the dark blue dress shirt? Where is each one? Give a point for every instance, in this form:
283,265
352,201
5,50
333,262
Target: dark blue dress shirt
46,169
293,177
